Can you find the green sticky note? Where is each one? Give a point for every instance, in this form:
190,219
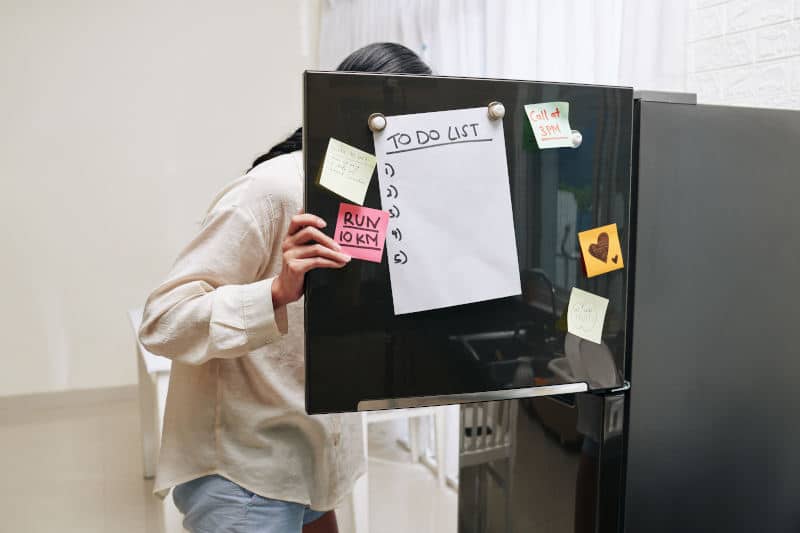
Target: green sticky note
586,314
347,171
550,124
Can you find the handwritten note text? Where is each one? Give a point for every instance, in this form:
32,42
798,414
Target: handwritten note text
550,123
361,231
347,171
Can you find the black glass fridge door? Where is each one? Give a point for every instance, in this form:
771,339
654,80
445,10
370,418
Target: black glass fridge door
557,467
358,350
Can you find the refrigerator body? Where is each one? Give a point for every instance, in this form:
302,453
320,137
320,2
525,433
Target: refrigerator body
714,419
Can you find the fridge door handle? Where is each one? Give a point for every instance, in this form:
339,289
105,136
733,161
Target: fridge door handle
469,397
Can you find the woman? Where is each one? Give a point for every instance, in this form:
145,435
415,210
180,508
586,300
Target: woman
237,444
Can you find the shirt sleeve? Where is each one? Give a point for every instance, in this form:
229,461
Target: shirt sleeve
212,305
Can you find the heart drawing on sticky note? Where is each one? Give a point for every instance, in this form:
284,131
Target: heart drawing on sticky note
615,259
600,248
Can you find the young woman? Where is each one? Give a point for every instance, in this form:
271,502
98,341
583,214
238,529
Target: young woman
237,444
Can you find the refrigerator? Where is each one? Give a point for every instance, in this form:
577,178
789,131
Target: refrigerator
683,418
713,424
706,438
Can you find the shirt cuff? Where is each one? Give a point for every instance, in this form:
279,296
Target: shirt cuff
263,324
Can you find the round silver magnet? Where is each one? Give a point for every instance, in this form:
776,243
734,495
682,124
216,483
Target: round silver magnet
577,138
376,122
496,110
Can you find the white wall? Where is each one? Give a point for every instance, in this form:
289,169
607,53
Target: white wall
745,52
119,120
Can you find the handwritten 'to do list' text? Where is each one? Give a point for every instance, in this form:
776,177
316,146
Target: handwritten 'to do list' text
406,141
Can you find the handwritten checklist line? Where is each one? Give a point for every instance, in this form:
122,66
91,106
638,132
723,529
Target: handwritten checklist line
438,144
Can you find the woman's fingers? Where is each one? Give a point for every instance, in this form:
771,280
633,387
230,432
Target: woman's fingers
302,266
309,234
301,220
318,250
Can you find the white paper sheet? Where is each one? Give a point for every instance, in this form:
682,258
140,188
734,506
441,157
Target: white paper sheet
444,181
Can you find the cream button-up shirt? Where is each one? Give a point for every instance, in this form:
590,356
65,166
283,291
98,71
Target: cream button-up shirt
236,402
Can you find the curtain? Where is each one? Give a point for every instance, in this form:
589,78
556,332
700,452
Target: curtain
641,43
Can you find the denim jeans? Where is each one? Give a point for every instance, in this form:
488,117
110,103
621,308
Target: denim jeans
212,504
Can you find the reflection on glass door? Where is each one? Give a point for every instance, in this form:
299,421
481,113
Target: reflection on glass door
549,464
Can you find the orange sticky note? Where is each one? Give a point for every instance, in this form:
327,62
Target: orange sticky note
601,250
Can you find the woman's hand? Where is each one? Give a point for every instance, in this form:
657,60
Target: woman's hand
304,248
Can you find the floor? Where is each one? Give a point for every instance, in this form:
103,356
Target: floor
397,487
73,463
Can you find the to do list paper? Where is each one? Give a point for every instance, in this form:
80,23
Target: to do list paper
444,181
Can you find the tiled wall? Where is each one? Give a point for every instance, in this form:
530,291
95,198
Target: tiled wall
745,52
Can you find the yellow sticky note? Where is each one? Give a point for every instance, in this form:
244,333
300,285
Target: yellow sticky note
347,171
550,124
601,250
586,314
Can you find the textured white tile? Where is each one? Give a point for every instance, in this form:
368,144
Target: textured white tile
759,86
723,52
745,14
699,4
707,55
795,68
706,23
739,49
707,85
789,102
691,62
773,81
781,40
739,85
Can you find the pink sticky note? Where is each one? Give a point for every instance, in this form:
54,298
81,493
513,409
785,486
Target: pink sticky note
361,231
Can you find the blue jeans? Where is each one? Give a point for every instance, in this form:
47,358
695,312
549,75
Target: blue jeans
212,504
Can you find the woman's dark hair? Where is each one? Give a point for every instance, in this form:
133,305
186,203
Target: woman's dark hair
384,57
377,57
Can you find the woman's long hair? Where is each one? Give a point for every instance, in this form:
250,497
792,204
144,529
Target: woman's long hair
377,57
